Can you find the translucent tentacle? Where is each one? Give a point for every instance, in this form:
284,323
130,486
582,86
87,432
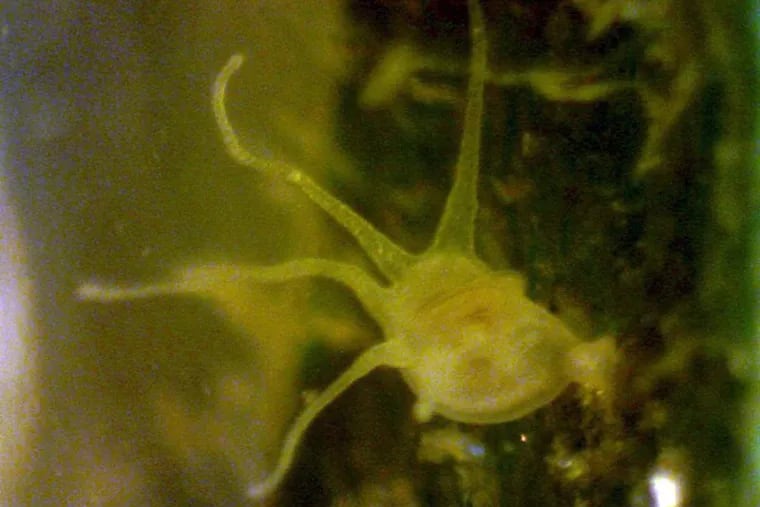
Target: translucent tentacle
388,353
206,278
391,259
456,230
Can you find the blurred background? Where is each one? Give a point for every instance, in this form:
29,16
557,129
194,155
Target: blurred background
616,176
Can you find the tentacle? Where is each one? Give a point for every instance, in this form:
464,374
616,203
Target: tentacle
204,279
103,293
388,353
391,259
456,230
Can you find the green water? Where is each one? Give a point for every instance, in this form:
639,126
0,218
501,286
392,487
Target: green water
629,210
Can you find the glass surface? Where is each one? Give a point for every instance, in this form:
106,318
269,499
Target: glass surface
615,177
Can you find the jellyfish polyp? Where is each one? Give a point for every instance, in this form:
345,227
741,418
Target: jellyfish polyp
468,341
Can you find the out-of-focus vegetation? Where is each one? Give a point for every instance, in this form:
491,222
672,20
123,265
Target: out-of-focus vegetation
615,177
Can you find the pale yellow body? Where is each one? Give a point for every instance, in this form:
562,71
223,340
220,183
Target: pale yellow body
469,342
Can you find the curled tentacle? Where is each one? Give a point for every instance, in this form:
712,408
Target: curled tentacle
392,260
